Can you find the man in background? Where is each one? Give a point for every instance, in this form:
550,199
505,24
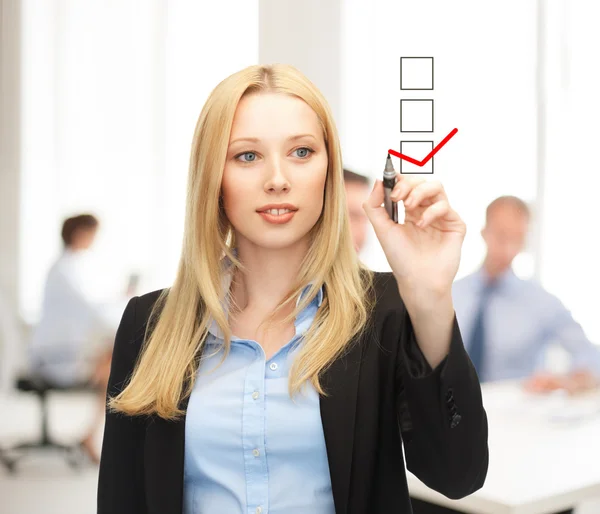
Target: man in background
64,350
508,323
357,190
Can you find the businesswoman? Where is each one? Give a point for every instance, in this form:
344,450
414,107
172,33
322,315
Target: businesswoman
277,375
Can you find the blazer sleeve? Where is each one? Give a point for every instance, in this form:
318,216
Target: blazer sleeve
441,416
121,483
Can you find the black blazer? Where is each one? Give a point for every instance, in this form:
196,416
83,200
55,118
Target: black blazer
381,394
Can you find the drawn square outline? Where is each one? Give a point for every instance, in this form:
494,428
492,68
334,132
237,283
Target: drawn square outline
416,88
412,100
403,163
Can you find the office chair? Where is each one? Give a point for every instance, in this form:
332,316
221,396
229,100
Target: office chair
73,454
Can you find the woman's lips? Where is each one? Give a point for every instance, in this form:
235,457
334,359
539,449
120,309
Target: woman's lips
277,219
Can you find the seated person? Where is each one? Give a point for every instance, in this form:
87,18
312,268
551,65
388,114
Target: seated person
508,322
62,350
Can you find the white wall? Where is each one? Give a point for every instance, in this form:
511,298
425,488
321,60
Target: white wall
570,249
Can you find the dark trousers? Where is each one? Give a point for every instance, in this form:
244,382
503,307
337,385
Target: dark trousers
421,507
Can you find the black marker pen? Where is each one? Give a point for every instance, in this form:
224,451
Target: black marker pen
389,180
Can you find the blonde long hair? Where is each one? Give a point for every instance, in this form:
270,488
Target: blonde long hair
175,333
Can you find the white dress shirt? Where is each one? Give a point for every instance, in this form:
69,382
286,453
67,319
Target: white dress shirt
72,321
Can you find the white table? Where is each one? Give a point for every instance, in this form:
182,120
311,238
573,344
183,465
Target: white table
544,454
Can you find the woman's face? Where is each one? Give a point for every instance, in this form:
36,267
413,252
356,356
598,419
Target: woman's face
275,171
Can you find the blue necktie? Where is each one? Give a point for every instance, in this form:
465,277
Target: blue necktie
477,341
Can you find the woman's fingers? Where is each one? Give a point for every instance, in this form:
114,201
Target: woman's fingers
438,210
425,193
404,186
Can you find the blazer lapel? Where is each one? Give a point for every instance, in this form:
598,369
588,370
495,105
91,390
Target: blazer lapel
338,412
164,463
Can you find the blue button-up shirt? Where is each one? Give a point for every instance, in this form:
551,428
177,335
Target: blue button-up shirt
521,321
250,448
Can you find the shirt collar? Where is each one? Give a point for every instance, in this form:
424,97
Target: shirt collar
503,280
319,297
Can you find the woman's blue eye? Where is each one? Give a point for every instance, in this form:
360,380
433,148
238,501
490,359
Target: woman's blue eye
252,154
305,152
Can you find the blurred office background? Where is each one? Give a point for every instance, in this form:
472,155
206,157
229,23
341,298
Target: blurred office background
100,99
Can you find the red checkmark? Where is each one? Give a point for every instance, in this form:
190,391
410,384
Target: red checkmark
430,154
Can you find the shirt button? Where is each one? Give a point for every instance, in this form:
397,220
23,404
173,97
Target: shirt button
273,366
258,510
255,395
255,452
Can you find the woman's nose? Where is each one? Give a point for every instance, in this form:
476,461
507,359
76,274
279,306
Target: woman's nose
277,180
